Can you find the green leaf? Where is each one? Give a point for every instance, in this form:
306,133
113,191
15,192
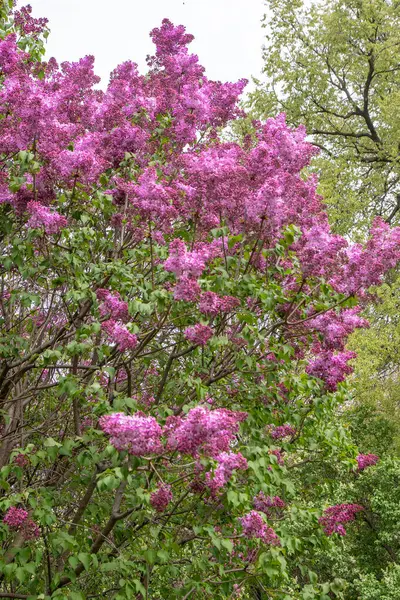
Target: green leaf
85,559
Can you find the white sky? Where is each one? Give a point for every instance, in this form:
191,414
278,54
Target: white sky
228,33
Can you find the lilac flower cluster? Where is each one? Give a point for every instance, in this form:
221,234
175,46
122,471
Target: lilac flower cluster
15,517
337,326
208,431
331,367
267,504
184,263
212,304
366,460
187,266
160,499
41,216
198,334
187,289
18,520
201,430
21,460
137,434
27,24
333,517
255,527
279,456
282,431
112,305
119,335
227,463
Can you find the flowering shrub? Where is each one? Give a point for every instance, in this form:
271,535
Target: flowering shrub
170,302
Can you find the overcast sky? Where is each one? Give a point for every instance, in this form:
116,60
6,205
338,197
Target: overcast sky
228,33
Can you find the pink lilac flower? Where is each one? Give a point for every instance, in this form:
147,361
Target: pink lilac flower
331,368
366,265
119,335
198,334
337,326
282,431
255,527
202,429
151,198
186,289
227,463
137,434
266,504
160,499
366,460
181,262
212,304
41,216
84,160
15,517
28,24
333,517
229,303
30,530
112,305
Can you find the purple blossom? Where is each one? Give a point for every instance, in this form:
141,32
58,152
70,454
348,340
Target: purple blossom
282,431
333,517
160,499
366,460
41,216
112,305
278,455
21,460
184,263
15,517
119,335
267,504
227,463
28,24
186,289
337,326
18,519
137,434
203,430
255,527
331,368
212,304
198,334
